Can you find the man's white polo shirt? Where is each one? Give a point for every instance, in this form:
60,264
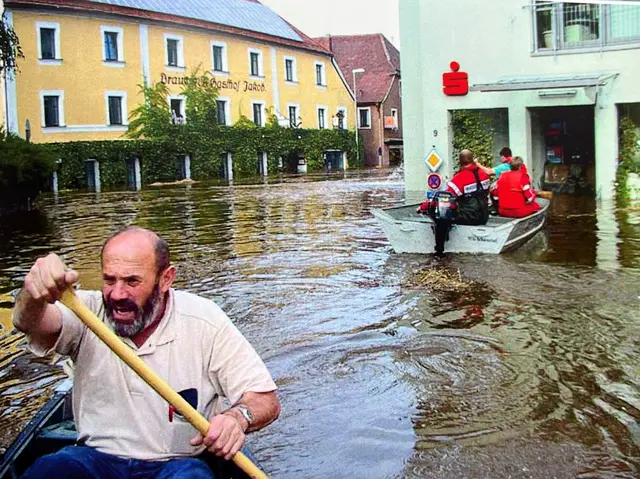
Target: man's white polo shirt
195,348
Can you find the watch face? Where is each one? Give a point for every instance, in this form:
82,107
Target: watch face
248,415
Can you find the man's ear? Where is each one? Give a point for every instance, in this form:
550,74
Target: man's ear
166,278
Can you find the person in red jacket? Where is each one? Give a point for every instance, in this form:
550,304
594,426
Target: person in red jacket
517,196
470,186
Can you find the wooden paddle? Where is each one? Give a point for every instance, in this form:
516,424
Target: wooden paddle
71,301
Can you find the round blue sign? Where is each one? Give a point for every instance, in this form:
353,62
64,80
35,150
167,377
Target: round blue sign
434,180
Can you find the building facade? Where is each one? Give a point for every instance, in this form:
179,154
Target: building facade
552,78
371,65
86,60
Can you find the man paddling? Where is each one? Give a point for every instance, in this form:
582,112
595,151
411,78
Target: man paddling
125,428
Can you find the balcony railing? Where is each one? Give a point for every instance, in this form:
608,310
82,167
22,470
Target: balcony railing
569,26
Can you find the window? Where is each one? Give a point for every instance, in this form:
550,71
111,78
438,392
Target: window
255,63
178,112
222,111
219,57
258,114
322,118
113,44
116,104
340,120
290,73
48,42
394,115
566,26
174,49
52,104
115,110
294,116
364,117
320,78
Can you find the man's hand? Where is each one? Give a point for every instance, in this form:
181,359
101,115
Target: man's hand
48,278
225,436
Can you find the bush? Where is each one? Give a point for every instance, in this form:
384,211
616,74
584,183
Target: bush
25,169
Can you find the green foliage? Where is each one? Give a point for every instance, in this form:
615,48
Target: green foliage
152,118
25,169
159,144
472,130
629,150
10,50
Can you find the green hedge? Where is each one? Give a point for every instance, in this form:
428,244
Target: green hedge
25,169
159,157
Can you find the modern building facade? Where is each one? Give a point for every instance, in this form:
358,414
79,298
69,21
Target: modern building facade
371,65
552,77
86,60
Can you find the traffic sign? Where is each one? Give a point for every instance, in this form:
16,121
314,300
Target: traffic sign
434,181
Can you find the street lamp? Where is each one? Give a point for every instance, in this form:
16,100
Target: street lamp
355,111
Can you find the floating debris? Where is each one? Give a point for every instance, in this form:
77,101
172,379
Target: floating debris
440,280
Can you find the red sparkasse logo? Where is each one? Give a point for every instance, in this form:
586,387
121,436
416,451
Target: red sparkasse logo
455,83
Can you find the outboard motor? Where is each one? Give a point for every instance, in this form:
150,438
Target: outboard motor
442,210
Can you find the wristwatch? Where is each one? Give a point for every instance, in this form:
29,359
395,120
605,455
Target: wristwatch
246,413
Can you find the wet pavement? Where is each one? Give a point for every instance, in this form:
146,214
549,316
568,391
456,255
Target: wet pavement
532,373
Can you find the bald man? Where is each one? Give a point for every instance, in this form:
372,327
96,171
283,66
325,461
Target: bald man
126,429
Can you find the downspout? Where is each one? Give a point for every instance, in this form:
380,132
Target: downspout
381,146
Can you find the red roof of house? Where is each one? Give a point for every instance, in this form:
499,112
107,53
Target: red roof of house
307,43
379,58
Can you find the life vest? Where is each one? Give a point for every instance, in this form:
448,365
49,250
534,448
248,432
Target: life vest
510,190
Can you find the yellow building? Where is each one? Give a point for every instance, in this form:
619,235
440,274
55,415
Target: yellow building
84,62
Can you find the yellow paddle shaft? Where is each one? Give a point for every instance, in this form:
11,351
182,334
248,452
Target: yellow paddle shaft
124,352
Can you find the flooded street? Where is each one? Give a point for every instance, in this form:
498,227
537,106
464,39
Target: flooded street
532,374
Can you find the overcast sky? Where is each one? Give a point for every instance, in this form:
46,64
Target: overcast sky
340,17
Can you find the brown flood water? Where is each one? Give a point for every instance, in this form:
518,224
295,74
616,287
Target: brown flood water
532,374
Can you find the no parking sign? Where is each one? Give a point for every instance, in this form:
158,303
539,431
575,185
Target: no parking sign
434,181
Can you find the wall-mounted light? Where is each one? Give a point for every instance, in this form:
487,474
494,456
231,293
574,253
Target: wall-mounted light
557,93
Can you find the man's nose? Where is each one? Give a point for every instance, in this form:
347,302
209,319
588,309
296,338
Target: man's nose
119,291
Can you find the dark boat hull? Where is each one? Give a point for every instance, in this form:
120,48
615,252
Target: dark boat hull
52,429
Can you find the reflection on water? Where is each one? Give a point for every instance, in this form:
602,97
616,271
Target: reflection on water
532,374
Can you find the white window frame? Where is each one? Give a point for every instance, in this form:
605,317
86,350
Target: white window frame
345,123
227,109
183,108
260,63
60,95
123,107
120,31
180,39
263,110
297,107
225,62
294,69
368,109
324,74
326,119
51,61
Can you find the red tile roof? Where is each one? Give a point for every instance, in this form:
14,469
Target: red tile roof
379,58
89,6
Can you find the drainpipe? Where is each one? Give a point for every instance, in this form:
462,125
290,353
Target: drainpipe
381,145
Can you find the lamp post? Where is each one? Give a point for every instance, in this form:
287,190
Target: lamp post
355,111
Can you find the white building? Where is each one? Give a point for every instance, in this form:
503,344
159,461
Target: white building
552,77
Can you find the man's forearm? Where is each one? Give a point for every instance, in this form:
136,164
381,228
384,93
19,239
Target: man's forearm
264,407
37,318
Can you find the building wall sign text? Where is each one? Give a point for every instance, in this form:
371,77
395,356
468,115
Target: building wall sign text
226,84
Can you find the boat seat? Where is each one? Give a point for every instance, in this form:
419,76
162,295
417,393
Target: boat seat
63,431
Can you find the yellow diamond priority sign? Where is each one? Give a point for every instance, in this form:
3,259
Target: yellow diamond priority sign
433,161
